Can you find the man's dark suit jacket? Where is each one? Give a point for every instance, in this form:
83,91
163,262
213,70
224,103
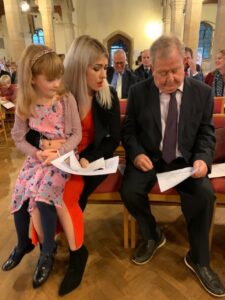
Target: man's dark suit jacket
140,73
142,132
128,79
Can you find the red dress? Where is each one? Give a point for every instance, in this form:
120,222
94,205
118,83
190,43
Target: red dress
75,185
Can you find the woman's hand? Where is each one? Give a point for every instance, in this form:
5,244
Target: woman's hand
52,144
84,162
49,155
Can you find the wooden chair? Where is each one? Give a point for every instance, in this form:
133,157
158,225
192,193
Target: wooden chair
219,105
2,123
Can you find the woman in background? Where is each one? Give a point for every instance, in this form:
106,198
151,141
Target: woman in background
216,79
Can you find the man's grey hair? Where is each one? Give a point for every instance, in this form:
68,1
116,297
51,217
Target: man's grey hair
120,51
163,46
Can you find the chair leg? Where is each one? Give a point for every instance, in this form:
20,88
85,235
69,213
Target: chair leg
133,231
125,228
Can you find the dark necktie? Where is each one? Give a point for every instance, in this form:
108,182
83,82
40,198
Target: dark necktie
146,73
170,134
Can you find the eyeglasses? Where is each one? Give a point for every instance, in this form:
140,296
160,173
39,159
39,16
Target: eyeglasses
119,63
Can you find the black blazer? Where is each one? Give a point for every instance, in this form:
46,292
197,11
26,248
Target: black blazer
140,73
107,130
142,132
128,79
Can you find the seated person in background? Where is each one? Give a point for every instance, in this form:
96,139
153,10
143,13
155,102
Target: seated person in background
7,90
144,70
138,60
216,79
158,138
191,69
13,69
2,71
120,77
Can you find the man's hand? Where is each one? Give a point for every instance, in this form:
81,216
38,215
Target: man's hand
143,162
192,65
201,167
84,162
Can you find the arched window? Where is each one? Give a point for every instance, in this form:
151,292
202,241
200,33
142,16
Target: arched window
205,39
116,42
38,36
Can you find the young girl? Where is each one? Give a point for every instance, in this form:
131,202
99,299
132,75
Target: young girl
44,106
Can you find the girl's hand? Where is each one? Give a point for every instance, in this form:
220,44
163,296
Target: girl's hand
49,155
39,155
52,144
84,162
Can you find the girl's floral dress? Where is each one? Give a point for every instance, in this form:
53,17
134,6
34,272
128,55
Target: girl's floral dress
35,181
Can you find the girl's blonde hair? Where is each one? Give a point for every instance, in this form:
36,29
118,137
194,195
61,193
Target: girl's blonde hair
83,52
35,60
5,79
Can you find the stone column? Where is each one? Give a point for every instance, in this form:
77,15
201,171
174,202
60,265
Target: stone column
166,16
15,30
46,11
67,9
219,35
177,17
193,12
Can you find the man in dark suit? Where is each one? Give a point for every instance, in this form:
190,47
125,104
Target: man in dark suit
168,126
119,76
191,69
144,70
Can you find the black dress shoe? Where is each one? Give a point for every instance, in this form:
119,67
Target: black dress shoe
43,269
147,249
15,257
209,280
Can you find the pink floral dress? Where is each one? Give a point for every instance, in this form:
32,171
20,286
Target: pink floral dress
35,181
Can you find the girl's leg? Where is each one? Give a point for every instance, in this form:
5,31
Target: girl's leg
36,220
48,218
24,245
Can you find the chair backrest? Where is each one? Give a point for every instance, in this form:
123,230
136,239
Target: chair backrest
123,106
219,120
219,105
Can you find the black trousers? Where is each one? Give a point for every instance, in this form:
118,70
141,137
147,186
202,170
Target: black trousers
91,183
197,204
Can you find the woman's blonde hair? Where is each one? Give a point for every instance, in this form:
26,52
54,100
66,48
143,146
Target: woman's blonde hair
84,52
35,60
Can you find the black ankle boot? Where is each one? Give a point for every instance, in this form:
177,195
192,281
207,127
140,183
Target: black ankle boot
15,256
43,269
75,271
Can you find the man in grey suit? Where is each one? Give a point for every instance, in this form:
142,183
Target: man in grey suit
120,76
168,126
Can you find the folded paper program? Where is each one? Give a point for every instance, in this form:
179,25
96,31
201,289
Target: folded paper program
170,179
69,163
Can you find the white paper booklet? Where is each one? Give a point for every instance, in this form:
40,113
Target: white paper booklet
218,170
69,163
7,104
170,179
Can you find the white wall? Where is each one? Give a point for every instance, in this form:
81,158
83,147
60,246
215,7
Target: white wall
100,18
